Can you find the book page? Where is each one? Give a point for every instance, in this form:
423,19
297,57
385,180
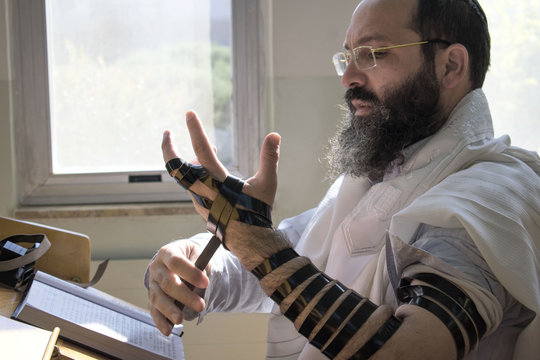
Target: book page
98,297
22,341
103,320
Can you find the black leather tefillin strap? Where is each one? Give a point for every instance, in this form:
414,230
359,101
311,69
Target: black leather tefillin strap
454,306
229,204
334,329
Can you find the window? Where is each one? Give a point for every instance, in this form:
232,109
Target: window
98,81
513,83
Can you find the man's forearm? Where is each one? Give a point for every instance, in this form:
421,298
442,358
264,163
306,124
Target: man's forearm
322,309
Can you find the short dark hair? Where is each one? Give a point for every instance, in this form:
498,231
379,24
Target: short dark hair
456,21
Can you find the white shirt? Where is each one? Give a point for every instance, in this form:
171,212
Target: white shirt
420,207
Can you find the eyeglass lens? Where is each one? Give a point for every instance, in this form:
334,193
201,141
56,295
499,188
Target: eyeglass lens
340,63
363,59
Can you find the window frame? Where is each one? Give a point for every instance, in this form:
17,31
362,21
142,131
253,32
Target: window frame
36,183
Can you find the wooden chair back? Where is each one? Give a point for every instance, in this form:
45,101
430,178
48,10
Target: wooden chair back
68,257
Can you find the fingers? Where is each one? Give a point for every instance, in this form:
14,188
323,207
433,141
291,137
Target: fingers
264,184
167,147
172,312
166,286
165,290
162,323
172,261
204,150
169,150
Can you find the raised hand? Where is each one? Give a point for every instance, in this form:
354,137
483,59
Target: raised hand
172,270
261,186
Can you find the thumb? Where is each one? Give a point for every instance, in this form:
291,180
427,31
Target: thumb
269,158
263,185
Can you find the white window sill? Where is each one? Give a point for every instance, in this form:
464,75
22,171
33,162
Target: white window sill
101,211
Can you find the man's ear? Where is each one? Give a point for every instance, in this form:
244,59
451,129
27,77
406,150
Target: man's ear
456,66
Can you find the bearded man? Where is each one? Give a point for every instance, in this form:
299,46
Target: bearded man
426,245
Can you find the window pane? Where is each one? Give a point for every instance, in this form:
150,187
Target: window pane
513,83
122,71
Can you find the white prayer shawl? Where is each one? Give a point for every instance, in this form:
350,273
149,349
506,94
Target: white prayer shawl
460,177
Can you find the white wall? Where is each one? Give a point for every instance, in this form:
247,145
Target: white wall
306,94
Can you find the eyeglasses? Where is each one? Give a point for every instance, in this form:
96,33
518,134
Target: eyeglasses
365,57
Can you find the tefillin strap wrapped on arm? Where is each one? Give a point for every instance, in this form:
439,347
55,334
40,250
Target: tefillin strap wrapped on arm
229,204
326,312
329,315
449,303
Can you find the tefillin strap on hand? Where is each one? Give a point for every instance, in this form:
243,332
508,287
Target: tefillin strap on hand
230,204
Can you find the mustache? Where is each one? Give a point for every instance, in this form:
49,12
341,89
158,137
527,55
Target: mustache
360,93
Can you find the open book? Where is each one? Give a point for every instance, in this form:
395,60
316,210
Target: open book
96,320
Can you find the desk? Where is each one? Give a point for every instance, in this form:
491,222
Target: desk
9,299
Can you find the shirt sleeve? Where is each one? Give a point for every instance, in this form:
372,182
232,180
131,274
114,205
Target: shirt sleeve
505,317
456,248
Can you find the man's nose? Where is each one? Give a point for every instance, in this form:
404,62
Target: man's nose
352,77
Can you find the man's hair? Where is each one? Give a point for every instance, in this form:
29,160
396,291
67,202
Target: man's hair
456,21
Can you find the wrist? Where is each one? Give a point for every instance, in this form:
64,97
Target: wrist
253,244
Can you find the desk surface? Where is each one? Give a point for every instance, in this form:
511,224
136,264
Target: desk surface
9,299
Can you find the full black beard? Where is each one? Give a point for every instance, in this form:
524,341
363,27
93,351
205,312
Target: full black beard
368,145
